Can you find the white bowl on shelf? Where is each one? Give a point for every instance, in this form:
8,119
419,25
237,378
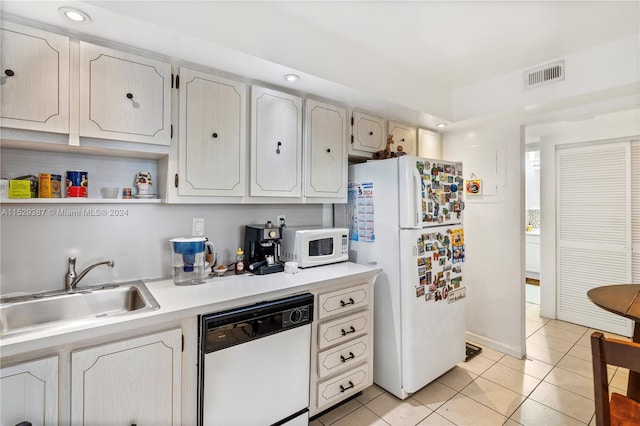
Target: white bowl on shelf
109,191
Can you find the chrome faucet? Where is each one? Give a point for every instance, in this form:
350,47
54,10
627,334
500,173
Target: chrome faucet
71,279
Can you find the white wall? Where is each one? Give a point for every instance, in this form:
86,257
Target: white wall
615,125
494,239
34,251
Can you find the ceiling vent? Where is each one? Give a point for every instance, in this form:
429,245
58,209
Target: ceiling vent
545,74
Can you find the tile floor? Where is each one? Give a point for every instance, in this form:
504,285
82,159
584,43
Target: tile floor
553,386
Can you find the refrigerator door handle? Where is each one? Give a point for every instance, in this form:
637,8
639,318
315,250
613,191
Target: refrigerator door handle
417,197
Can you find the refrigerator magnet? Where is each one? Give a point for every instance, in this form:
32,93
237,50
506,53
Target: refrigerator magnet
458,237
453,187
423,280
437,295
420,291
457,294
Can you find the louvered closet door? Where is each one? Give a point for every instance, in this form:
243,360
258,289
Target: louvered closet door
593,224
635,212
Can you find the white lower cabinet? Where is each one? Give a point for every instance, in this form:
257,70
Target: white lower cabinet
341,344
532,255
135,381
30,392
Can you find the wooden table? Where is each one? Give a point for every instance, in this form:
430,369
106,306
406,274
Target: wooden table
623,299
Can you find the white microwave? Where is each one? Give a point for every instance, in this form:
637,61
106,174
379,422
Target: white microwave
314,246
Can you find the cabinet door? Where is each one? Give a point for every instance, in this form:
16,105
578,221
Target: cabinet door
132,381
325,150
367,134
30,393
276,143
34,86
404,136
211,147
124,97
429,145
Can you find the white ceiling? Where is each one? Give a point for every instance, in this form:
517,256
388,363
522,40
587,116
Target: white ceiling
454,43
433,47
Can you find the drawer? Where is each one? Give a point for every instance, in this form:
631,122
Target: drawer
335,389
343,356
344,300
342,329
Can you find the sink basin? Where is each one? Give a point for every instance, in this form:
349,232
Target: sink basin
59,308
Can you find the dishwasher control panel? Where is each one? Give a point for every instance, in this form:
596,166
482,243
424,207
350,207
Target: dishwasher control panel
296,316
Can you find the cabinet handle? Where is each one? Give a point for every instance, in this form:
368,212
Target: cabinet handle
9,73
129,95
343,389
370,133
215,135
351,330
351,356
350,302
278,147
328,149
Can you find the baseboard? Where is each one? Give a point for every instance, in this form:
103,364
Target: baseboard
509,350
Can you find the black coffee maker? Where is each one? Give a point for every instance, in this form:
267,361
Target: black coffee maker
262,248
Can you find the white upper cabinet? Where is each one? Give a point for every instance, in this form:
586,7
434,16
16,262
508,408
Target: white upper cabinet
325,150
368,134
34,81
123,96
429,145
212,142
404,136
276,143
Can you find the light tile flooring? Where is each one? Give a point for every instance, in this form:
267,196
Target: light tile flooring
552,386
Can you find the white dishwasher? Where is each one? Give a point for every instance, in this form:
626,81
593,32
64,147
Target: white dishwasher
254,364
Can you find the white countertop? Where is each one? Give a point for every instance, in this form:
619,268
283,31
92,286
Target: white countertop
534,231
178,302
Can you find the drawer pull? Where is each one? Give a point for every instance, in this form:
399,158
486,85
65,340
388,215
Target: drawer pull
351,330
350,302
351,356
343,389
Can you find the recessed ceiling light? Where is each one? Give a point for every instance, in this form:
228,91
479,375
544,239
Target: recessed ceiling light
291,77
75,15
441,125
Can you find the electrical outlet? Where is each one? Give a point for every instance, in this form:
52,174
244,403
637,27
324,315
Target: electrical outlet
281,220
197,227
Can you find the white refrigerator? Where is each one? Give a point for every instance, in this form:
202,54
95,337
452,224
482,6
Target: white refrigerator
405,215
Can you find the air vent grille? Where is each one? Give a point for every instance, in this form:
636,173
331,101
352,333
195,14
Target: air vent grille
544,74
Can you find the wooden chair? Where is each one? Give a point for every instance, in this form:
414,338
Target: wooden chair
619,410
